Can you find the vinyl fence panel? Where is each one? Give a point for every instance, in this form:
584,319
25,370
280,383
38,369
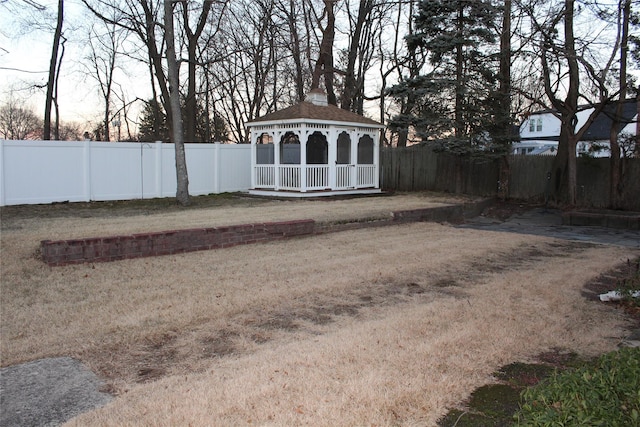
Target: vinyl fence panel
34,172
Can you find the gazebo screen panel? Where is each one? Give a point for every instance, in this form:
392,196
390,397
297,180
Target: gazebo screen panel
317,149
343,156
265,150
365,150
290,149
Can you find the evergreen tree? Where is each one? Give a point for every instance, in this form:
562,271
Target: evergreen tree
455,98
153,123
208,129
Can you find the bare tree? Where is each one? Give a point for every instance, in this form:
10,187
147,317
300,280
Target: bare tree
360,38
141,18
566,63
104,46
17,122
192,37
54,71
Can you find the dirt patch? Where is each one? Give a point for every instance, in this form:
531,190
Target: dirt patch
502,210
167,353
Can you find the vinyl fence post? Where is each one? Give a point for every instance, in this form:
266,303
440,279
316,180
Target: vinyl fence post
86,172
158,168
216,167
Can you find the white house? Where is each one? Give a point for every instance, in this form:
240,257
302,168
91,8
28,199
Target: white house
540,131
314,149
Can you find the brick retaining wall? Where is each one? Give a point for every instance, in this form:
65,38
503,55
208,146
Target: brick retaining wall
113,248
101,249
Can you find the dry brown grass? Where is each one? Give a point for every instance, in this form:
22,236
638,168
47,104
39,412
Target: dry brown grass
383,326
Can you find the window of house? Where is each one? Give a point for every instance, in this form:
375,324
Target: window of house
535,125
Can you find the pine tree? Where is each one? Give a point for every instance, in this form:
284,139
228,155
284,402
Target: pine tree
455,96
153,123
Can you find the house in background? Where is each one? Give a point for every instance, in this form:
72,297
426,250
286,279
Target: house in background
540,131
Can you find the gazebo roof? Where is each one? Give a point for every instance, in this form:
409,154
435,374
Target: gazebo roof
312,110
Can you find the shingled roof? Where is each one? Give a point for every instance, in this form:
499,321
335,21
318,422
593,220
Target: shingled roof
315,111
601,127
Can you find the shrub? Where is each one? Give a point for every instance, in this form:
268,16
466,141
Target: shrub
603,393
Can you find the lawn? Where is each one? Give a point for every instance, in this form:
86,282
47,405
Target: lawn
382,326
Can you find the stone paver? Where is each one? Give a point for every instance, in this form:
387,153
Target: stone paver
48,392
548,222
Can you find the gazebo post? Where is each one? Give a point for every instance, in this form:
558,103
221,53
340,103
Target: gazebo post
332,155
254,156
304,138
277,140
354,158
376,157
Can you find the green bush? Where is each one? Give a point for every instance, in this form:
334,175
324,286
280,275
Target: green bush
603,393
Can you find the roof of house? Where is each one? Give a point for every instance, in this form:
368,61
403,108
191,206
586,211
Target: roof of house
310,111
601,126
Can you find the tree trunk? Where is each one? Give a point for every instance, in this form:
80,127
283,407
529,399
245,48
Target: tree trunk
296,51
459,96
564,166
504,102
615,187
46,134
351,85
182,192
191,102
324,64
155,59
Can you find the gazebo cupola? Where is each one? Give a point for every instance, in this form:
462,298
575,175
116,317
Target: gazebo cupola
313,149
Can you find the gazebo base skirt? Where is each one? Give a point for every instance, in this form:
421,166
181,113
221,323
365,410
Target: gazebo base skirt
324,193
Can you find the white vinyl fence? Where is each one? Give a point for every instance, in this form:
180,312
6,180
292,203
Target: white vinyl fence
79,171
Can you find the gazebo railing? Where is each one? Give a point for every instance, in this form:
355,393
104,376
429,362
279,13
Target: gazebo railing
289,177
366,176
317,177
265,176
344,177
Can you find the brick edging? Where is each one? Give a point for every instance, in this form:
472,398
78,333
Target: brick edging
113,248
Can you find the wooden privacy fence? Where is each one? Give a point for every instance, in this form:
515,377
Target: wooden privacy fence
420,168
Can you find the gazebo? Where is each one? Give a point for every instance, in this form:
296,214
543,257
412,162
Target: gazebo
314,149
